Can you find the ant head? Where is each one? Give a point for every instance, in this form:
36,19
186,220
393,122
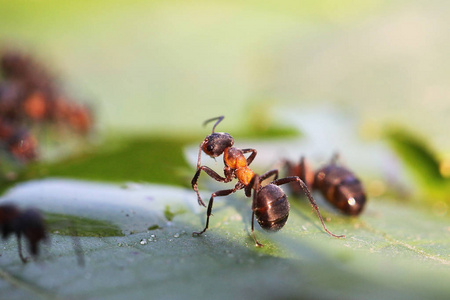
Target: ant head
216,143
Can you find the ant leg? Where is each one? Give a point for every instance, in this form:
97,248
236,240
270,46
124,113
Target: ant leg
302,169
210,204
334,158
251,185
212,174
257,244
78,249
252,156
311,199
255,183
269,174
19,248
305,173
200,155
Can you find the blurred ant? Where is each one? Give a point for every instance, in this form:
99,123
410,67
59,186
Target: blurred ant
30,95
28,222
270,204
338,185
18,142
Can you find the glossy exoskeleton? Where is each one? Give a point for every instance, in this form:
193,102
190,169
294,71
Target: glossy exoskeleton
27,223
270,204
339,186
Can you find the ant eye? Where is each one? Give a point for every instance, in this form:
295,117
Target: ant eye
209,148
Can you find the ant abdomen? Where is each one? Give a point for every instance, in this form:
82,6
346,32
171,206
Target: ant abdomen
271,207
341,188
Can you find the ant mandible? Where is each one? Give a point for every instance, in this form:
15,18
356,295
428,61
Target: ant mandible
270,204
338,185
27,222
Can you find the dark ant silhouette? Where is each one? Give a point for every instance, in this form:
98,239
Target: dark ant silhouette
338,185
270,204
30,224
27,223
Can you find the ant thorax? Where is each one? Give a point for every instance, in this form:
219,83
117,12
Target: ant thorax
234,158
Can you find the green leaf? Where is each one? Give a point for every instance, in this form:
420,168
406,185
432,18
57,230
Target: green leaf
136,237
421,161
384,254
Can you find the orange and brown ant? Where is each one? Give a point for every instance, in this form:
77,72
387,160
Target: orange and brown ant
338,185
29,96
23,222
270,204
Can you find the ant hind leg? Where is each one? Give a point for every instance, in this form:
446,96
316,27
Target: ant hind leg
310,198
19,249
257,244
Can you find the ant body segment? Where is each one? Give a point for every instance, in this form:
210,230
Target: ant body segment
270,204
28,222
338,185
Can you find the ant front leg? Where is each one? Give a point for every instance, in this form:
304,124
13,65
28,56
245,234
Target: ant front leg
310,198
238,186
252,156
212,174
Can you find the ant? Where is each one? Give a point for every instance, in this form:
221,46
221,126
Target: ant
28,222
18,142
338,185
30,96
270,204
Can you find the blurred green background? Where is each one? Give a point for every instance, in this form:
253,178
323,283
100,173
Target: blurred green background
169,65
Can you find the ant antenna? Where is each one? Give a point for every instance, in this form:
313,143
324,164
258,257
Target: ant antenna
219,119
335,158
